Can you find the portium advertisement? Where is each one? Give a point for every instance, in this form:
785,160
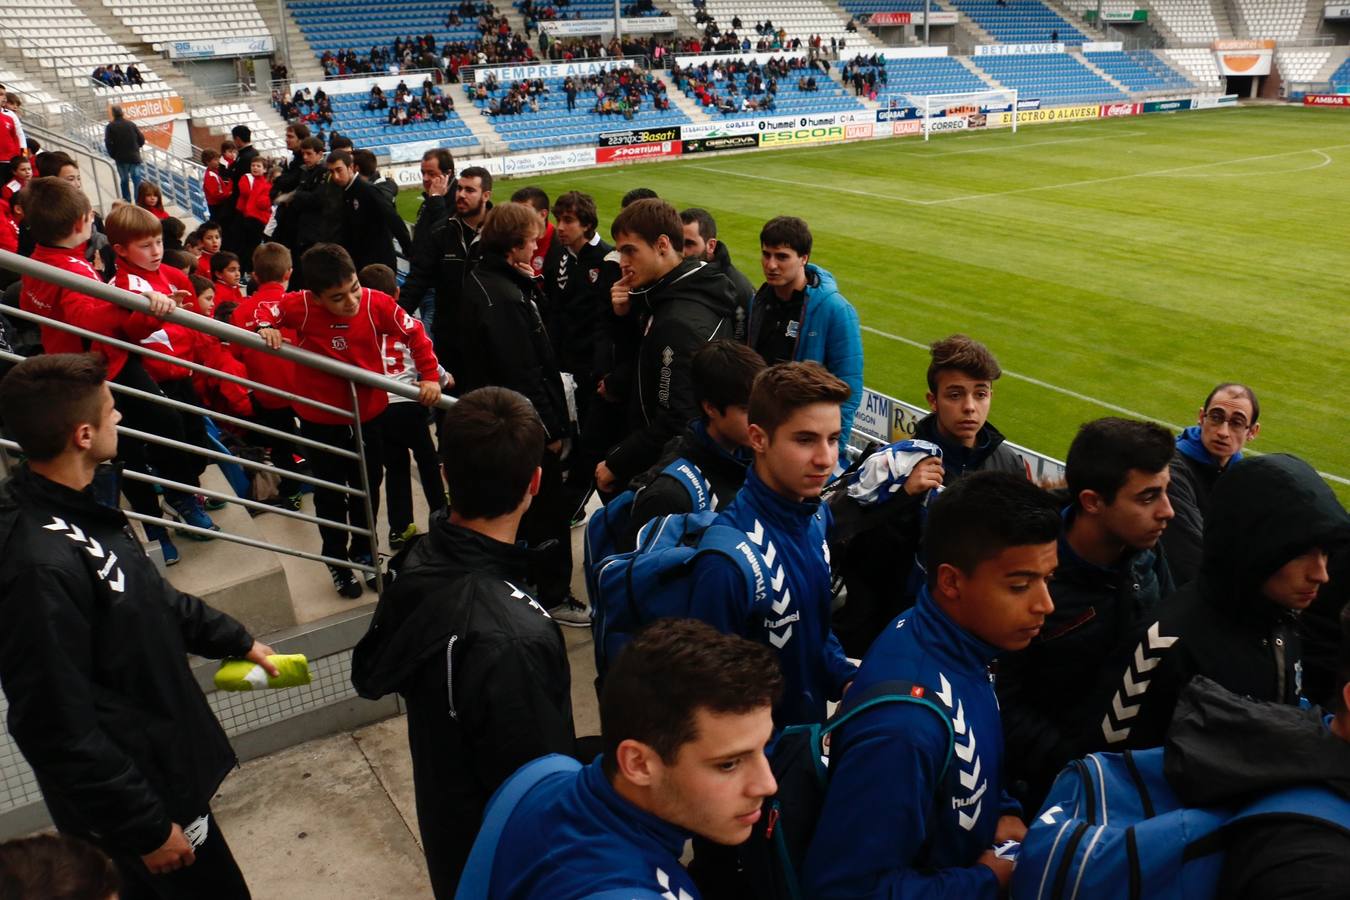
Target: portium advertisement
1051,114
824,134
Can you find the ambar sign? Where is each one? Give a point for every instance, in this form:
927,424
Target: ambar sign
821,135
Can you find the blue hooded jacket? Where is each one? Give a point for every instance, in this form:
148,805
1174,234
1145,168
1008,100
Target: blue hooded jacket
881,832
573,836
830,335
786,544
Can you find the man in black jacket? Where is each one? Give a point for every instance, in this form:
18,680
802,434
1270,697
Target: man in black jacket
452,253
242,136
1271,523
315,206
370,223
93,653
1227,421
123,141
287,182
483,669
1111,577
701,242
1223,750
499,339
687,305
417,294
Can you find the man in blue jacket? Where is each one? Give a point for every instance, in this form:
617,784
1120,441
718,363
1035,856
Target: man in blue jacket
915,803
684,717
798,313
794,434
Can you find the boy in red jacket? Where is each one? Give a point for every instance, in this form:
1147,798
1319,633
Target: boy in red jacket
60,218
226,273
252,207
271,271
218,188
210,237
20,170
338,318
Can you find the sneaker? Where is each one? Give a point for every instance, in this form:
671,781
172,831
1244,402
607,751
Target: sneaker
398,538
188,511
370,579
289,501
572,613
160,535
211,504
344,580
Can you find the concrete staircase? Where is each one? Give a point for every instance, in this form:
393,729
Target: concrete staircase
1076,19
1338,56
865,36
687,105
478,123
303,63
145,54
980,73
1224,14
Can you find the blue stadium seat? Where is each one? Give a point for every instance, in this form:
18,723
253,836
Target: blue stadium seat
1340,79
1019,21
924,75
1056,77
370,128
790,100
1139,70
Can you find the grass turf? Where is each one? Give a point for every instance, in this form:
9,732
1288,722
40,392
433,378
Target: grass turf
1121,266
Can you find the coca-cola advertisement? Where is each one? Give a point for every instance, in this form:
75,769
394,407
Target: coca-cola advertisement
1112,110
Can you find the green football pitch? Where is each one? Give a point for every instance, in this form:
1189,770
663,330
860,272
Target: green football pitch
1121,266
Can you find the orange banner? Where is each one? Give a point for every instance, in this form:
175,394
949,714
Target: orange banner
150,108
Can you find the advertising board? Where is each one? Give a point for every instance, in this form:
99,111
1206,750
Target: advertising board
1113,110
1326,100
938,17
639,136
1336,11
1156,106
1047,114
725,142
576,68
221,46
955,123
906,128
637,151
858,132
150,107
1018,49
897,114
717,129
580,27
821,134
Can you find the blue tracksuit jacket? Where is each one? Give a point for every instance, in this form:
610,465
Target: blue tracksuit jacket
785,540
893,824
573,836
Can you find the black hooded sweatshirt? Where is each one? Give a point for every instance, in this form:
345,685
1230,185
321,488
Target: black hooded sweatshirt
1224,750
690,305
485,675
1264,512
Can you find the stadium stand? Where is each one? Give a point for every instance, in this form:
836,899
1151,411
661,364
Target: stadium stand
1280,19
1300,65
1019,21
555,126
924,75
1192,21
1049,77
588,9
371,129
31,93
789,99
159,22
333,25
799,18
225,116
1199,63
57,35
860,8
1139,70
1340,79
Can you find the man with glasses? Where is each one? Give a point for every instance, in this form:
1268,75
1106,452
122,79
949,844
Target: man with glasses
1227,421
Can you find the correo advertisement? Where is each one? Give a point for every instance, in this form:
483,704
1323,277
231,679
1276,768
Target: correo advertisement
1326,100
726,142
938,126
638,151
1112,110
639,136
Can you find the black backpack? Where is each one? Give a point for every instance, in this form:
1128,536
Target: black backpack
776,849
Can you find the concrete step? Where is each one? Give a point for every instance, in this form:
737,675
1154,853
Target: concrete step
983,75
302,62
478,123
687,105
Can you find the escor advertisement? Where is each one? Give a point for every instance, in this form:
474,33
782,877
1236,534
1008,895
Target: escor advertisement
639,136
1049,114
725,142
827,134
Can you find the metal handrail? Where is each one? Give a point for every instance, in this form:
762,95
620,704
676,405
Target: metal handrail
136,303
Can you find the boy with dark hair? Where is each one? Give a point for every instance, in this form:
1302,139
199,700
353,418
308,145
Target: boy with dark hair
701,242
685,304
799,313
271,272
714,451
1227,421
227,274
684,718
1112,575
404,429
794,435
899,819
211,236
253,210
483,670
21,172
338,318
500,340
961,380
1271,526
93,655
56,866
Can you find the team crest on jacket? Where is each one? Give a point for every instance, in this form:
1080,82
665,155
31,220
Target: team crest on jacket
339,343
667,356
593,275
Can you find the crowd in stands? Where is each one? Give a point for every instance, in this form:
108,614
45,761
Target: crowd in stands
497,43
865,74
768,38
991,630
113,76
743,86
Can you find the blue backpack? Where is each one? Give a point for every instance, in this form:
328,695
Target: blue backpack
609,527
653,580
1113,827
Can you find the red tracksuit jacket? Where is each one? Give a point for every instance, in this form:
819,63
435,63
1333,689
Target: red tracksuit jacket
259,205
82,310
265,368
216,188
358,341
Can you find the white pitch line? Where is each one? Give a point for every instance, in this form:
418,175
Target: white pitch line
1123,410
